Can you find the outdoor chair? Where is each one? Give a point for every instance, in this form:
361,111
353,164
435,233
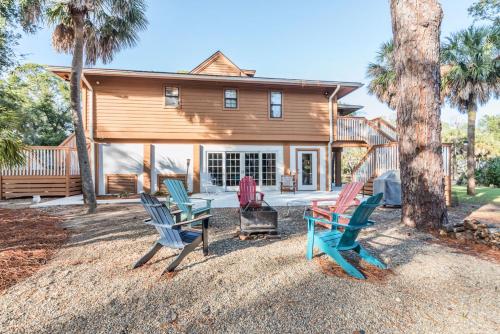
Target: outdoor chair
179,196
172,234
333,242
288,183
248,196
345,200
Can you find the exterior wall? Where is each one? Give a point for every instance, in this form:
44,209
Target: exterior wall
171,159
133,108
321,162
120,159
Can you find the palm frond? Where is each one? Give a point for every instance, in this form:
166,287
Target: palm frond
11,150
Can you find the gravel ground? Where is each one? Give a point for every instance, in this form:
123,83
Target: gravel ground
251,286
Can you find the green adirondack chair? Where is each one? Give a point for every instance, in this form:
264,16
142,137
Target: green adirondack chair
179,196
334,241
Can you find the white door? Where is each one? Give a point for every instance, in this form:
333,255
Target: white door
307,170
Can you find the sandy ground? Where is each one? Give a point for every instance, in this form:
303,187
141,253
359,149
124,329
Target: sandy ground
252,286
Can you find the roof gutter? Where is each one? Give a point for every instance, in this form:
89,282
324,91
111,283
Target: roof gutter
330,142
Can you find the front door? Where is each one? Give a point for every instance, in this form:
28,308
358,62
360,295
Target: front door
307,170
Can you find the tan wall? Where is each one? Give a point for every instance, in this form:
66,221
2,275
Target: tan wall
134,109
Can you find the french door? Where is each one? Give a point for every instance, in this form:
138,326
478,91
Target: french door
307,170
226,169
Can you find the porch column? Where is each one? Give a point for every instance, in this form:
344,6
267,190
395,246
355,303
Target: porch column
147,169
337,157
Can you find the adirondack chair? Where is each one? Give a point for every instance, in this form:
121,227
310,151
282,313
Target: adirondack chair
288,183
171,233
179,196
248,196
343,202
333,242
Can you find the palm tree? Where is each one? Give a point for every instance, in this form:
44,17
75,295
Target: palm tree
383,76
471,79
96,30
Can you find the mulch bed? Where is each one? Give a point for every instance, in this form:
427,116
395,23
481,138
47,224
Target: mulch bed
372,273
468,247
28,238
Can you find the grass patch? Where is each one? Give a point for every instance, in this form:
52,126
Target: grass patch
484,195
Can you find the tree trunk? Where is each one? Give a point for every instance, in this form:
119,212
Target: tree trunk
471,157
416,29
76,111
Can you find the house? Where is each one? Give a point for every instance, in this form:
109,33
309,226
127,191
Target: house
218,123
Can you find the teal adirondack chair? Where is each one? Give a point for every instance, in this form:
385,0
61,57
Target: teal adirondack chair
334,241
179,197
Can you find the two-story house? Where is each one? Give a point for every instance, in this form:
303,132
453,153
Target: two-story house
216,124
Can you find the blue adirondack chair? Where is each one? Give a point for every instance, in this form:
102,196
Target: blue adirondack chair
171,233
334,241
179,196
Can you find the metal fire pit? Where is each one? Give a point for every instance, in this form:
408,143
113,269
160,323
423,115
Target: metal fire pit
263,219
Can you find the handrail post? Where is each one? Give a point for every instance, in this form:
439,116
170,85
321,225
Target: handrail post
67,169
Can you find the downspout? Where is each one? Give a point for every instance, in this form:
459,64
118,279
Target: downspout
330,142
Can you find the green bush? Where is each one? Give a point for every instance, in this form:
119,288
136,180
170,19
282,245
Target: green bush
489,172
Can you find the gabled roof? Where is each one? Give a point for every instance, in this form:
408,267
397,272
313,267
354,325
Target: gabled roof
219,64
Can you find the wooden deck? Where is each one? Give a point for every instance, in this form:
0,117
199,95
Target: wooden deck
47,171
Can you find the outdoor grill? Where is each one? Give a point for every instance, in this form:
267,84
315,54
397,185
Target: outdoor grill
389,184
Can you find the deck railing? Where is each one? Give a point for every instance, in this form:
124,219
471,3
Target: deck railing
46,161
386,127
360,129
382,158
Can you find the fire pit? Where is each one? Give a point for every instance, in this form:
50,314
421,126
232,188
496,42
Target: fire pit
263,219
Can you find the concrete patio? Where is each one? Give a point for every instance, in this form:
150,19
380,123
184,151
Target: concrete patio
220,200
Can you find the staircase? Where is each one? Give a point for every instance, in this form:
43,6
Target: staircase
383,153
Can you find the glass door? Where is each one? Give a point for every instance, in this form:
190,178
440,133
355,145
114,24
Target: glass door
307,170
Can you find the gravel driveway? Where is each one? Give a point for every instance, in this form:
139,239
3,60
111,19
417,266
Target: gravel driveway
251,286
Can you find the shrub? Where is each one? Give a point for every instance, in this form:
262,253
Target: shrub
489,172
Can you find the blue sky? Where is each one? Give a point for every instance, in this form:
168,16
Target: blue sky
330,40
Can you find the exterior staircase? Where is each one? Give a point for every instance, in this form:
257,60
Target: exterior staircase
381,138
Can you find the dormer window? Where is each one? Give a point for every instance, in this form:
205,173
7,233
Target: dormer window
230,98
172,97
275,104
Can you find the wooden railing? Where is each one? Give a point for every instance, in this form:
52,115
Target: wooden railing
386,127
382,158
46,161
360,129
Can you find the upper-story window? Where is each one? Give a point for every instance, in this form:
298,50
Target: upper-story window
230,98
276,104
172,99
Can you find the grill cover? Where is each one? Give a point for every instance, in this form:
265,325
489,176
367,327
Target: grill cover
389,184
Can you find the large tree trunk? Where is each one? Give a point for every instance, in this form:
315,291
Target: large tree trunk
76,110
416,29
471,157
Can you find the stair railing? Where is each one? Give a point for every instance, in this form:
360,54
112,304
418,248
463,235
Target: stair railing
360,129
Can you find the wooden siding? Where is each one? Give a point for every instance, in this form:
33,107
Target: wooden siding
161,177
119,183
220,66
134,109
27,186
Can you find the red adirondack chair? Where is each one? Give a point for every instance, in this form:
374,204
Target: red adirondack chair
248,194
344,201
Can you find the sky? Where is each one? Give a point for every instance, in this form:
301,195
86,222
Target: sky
316,39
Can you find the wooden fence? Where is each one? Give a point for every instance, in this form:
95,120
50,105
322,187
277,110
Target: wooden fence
47,171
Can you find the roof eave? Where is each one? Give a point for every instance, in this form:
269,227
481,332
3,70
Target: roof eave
205,77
